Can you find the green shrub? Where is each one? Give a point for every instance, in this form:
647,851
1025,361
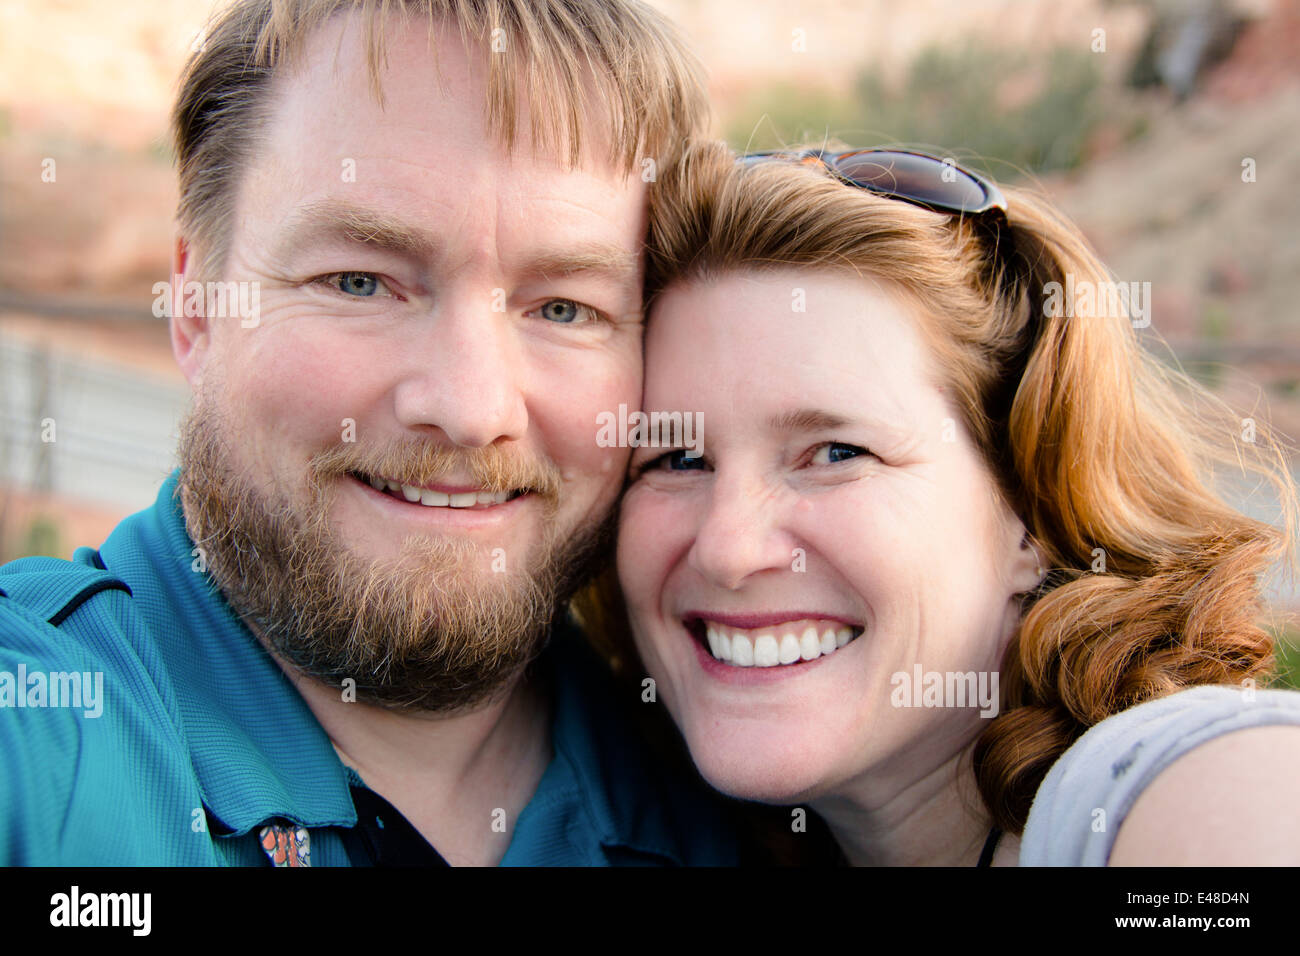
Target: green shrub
42,537
948,101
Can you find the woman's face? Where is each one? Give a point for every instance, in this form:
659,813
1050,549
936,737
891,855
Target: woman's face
838,531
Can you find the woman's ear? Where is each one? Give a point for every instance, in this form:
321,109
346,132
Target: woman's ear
1028,565
189,333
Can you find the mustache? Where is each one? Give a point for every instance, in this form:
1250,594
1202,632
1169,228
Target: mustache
413,461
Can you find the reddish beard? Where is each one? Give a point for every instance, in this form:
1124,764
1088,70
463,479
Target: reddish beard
434,629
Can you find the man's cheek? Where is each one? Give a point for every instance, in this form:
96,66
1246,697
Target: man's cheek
577,417
290,376
284,412
586,457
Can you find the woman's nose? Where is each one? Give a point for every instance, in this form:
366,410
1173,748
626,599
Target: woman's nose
740,534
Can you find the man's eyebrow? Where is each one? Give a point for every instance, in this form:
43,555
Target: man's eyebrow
594,257
333,219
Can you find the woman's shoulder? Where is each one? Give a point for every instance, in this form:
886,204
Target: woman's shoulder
1090,791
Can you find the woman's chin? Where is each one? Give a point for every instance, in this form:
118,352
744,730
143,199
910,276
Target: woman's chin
771,772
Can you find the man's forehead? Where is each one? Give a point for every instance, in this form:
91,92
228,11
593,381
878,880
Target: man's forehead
430,75
335,165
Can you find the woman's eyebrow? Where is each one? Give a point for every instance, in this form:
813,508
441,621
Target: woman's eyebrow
900,428
805,420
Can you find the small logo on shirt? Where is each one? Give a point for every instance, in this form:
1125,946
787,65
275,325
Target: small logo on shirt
286,845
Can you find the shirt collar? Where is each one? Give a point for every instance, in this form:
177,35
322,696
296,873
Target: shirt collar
628,793
256,747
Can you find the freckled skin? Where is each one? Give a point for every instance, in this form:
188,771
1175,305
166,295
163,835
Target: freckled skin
913,544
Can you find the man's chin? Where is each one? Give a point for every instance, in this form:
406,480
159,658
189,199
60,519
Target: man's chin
430,628
435,628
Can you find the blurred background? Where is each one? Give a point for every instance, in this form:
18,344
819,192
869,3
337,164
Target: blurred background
1168,129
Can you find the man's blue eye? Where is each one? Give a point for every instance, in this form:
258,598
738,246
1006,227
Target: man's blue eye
562,310
360,284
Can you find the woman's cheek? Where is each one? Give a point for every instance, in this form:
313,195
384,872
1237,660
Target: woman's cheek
638,544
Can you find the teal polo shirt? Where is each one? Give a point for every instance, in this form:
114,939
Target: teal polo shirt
195,739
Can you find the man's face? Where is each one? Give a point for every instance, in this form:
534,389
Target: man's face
435,313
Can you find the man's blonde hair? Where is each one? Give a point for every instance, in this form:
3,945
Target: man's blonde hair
569,58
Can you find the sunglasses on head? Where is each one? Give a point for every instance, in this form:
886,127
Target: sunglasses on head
918,178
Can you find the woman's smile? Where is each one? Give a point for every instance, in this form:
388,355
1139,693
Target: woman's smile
759,648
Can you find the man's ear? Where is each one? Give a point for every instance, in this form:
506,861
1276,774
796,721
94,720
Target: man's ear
190,334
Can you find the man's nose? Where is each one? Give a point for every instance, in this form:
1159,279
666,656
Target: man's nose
741,533
466,377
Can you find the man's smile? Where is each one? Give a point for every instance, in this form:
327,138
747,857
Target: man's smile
438,495
464,507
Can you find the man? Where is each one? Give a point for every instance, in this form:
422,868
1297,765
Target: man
419,244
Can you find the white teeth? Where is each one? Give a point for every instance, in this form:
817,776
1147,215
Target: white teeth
809,645
745,649
438,499
742,655
789,649
712,636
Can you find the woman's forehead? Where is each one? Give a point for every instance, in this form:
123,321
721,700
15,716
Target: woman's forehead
772,348
795,320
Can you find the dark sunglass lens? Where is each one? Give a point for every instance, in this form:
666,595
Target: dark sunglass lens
920,178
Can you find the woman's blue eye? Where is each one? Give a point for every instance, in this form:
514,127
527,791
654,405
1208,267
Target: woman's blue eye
564,311
832,452
677,461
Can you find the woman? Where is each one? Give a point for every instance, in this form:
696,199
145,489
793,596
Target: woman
947,517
